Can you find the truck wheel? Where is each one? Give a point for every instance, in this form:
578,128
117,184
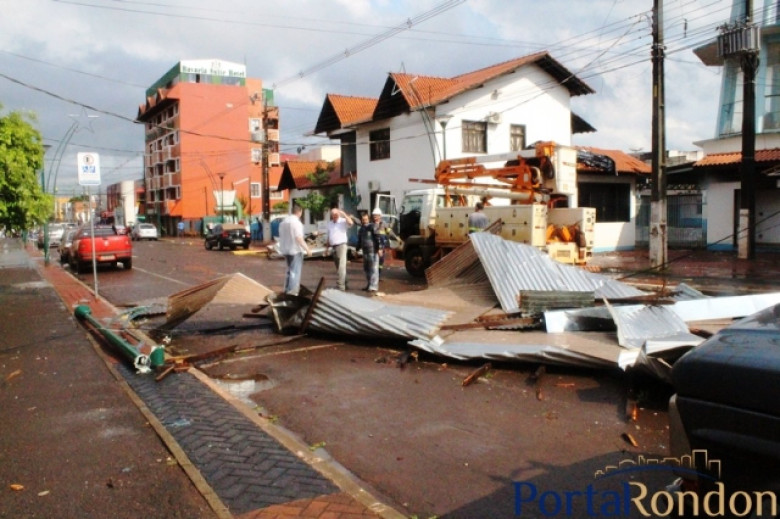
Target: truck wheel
208,245
128,263
81,267
415,262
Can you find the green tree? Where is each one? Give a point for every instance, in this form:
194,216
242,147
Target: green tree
23,203
317,201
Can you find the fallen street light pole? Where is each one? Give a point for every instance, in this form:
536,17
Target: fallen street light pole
142,362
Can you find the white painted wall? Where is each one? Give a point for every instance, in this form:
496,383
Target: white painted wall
327,153
719,211
127,202
525,98
610,236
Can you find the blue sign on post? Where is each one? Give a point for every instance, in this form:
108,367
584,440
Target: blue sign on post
89,169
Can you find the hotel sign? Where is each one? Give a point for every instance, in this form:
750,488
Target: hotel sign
213,67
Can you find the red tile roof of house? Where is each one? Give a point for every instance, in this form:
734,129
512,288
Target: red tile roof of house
420,91
624,163
342,111
351,109
735,157
295,174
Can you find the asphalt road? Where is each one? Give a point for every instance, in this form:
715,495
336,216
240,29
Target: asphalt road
417,436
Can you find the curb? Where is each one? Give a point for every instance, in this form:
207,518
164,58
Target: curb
319,460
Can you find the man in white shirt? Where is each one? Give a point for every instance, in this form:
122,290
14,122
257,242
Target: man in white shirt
292,246
337,240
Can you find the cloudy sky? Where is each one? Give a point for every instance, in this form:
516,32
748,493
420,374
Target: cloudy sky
91,60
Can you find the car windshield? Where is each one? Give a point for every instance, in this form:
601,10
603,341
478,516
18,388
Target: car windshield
99,231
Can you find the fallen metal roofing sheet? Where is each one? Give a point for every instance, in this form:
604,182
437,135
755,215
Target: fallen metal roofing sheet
512,267
586,350
340,312
557,321
657,326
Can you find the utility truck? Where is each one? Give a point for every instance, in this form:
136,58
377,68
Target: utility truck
531,192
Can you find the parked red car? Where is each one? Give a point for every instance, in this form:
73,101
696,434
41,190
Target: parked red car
111,247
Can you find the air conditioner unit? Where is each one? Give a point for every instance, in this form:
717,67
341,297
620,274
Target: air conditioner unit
258,136
493,117
373,185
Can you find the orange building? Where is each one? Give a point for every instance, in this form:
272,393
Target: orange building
206,125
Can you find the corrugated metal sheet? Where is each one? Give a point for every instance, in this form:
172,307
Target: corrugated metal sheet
512,267
636,326
340,312
592,350
234,289
461,266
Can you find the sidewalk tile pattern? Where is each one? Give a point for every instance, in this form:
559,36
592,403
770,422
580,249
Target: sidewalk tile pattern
247,468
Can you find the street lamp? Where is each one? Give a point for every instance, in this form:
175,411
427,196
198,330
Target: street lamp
443,120
49,185
221,198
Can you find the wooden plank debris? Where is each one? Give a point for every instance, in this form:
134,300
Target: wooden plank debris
479,372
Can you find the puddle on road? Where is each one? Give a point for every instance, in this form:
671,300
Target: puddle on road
244,386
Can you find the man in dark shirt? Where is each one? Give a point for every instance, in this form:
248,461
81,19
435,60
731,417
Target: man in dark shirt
370,245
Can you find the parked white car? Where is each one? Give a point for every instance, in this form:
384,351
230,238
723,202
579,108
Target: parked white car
144,231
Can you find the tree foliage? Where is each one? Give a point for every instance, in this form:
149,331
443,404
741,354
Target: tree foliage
317,201
23,202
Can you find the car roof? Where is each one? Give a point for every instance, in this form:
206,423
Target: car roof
231,226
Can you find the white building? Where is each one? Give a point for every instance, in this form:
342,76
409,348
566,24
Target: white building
391,143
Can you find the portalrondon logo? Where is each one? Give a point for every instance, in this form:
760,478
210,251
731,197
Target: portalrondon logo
635,498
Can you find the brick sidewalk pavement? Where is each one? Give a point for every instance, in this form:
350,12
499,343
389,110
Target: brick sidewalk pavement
256,470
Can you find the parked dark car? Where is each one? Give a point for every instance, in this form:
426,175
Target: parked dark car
727,407
231,235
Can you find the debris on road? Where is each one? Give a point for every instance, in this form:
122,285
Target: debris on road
479,372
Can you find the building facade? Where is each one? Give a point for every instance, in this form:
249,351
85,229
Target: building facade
211,137
715,181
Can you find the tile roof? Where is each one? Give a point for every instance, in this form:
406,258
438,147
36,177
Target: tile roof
295,174
421,91
418,91
351,109
735,157
341,111
624,163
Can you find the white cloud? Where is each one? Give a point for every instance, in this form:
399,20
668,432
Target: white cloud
126,46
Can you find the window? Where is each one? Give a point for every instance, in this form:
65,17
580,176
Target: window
254,190
474,137
255,124
257,155
379,142
516,137
612,201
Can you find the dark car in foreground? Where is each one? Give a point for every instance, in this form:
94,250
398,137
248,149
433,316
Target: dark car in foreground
230,235
726,413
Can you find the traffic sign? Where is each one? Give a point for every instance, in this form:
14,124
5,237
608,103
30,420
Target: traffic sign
89,169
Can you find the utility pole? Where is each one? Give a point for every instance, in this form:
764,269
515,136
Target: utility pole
270,145
266,189
658,211
746,241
